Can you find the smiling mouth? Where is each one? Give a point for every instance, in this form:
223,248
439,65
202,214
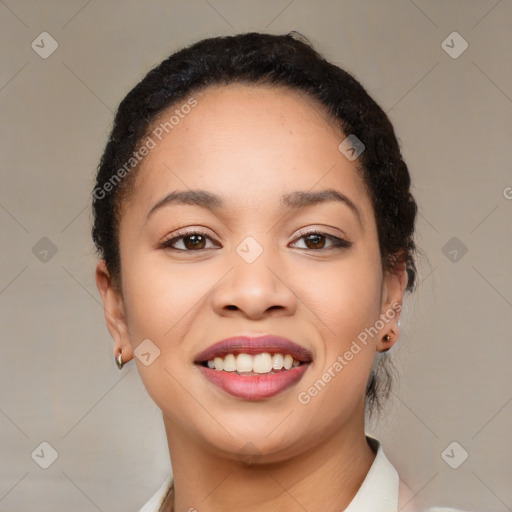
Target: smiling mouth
254,368
253,364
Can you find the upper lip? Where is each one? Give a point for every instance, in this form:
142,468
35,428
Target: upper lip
255,345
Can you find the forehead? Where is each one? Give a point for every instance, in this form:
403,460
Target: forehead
247,143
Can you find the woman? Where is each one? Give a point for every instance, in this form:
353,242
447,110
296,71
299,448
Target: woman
255,227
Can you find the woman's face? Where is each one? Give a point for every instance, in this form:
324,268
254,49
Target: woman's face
251,270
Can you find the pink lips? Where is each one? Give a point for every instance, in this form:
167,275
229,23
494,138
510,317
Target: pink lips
254,386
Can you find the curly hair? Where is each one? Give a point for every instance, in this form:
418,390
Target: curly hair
273,60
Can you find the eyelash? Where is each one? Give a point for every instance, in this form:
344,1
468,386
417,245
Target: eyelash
337,243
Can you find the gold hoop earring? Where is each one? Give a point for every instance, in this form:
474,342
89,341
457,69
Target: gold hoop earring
119,361
387,337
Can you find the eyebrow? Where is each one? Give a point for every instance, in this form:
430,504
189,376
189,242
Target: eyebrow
295,200
300,199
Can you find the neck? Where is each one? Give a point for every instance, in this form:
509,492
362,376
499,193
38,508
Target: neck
324,478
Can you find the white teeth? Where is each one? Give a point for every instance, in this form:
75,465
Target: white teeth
229,363
259,363
262,363
244,363
278,361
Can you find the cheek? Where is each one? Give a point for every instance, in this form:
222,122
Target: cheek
161,301
346,295
160,297
347,300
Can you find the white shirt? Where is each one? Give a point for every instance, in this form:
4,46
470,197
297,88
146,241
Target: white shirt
378,492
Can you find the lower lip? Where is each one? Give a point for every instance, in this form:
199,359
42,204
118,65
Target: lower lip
254,387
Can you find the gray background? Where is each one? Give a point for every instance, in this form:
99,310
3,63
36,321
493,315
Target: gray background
453,117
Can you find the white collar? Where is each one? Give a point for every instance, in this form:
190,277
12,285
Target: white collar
155,502
378,492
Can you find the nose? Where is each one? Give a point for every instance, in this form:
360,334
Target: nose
256,289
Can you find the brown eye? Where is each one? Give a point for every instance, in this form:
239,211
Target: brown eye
316,240
194,242
191,241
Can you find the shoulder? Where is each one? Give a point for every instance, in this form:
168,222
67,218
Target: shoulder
443,509
406,501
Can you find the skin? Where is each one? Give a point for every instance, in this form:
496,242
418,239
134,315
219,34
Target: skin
250,145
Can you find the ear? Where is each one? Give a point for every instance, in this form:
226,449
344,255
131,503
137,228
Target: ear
113,307
393,288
